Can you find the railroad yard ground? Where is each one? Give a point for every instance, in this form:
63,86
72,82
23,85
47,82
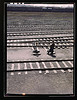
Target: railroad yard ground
39,81
26,54
35,82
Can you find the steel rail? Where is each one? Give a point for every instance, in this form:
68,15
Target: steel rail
40,31
42,60
43,41
34,34
42,46
37,37
40,69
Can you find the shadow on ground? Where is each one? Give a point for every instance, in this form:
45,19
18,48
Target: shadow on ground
52,55
36,54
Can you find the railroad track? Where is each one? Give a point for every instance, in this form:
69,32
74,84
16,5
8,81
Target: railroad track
66,41
53,27
45,66
40,38
32,26
42,21
30,29
35,33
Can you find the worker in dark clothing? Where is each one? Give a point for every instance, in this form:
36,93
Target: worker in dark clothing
35,49
51,48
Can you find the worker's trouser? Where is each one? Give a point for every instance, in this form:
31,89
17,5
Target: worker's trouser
51,50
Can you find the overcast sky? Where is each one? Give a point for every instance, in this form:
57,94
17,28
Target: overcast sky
52,5
48,5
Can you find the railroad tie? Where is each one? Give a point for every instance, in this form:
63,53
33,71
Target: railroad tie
27,44
19,68
63,46
69,70
70,63
47,71
11,44
25,67
52,66
58,65
60,45
15,40
38,67
12,68
31,44
19,44
31,65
